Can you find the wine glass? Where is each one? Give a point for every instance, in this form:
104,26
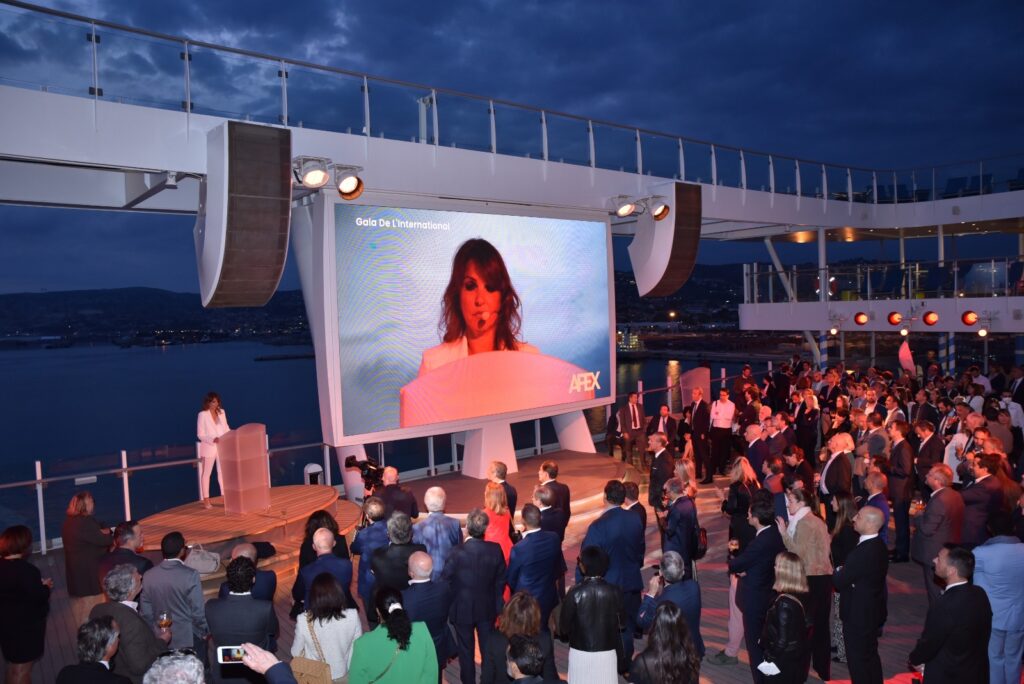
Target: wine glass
163,621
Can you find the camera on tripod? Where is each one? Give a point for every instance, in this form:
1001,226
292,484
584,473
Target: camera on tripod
369,470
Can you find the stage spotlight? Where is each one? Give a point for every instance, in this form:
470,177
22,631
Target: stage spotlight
895,318
350,185
930,318
833,331
969,318
982,331
623,206
904,331
860,318
312,172
658,208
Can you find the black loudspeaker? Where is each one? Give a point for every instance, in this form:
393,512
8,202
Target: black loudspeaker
241,231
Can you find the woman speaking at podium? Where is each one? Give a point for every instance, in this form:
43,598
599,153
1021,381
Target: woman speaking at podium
480,310
210,426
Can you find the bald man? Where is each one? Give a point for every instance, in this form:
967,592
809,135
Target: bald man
266,580
862,599
428,601
396,497
326,561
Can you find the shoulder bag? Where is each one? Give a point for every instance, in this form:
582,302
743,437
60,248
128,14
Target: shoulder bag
202,561
307,670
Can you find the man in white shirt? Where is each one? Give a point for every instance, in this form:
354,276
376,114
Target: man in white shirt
962,443
723,413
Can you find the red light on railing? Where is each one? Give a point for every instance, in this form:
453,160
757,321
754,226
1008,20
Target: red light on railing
895,318
969,318
860,318
930,318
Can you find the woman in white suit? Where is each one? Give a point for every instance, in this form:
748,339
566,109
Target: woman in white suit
211,424
480,308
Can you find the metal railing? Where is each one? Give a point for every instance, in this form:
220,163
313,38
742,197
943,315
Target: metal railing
76,55
991,277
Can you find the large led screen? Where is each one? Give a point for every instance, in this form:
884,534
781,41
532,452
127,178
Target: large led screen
448,316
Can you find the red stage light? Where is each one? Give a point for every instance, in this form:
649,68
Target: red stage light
930,318
969,318
860,318
895,318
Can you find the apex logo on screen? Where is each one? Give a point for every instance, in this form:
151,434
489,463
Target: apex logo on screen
584,382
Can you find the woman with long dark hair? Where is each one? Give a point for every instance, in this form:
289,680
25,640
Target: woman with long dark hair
211,425
397,651
520,616
329,627
844,540
480,309
25,596
670,657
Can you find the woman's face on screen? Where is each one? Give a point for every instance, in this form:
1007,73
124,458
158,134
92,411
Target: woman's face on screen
480,304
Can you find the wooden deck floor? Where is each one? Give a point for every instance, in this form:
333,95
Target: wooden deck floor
907,605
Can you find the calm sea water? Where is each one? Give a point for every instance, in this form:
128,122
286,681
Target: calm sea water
75,410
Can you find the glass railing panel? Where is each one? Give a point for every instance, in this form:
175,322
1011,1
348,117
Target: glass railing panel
1007,173
698,161
234,86
287,465
410,454
959,180
785,175
921,184
904,188
758,171
983,278
661,155
401,113
568,140
325,101
835,176
615,148
727,166
45,53
810,179
20,508
464,122
519,131
139,70
862,188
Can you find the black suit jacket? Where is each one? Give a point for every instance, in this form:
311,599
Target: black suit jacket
838,478
85,544
662,470
138,647
430,602
555,520
671,427
757,562
89,673
929,453
121,556
237,620
954,644
561,493
925,412
1018,394
475,574
981,500
700,420
625,419
641,512
861,585
398,498
264,589
391,565
512,497
901,472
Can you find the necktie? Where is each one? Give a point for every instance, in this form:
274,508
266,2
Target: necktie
636,421
661,427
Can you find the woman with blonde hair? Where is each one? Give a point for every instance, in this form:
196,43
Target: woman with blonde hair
784,635
85,542
807,536
808,422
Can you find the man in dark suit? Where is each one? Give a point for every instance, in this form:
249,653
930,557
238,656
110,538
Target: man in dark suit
372,537
475,575
876,483
138,645
97,646
665,424
128,539
619,534
798,467
326,561
931,450
396,497
266,580
757,449
901,487
680,522
784,424
662,470
174,588
552,520
923,409
982,498
700,434
633,504
535,563
632,425
390,564
497,473
837,473
547,474
671,587
429,602
755,568
240,618
940,524
953,647
862,609
1016,387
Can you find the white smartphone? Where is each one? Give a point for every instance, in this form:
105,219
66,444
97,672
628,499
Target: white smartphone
229,654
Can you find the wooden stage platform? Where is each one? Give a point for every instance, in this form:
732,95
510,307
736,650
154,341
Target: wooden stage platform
289,508
585,474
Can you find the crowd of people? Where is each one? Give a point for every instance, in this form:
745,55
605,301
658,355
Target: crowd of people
826,478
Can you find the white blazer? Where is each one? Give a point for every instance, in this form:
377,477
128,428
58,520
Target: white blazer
446,352
208,430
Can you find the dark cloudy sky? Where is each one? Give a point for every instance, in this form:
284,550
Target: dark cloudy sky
878,84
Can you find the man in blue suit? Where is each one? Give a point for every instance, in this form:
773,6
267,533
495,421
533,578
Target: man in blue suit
680,522
266,580
619,534
429,602
535,563
672,587
439,532
372,537
755,567
326,562
475,575
999,570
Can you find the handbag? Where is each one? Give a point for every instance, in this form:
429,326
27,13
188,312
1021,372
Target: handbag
700,537
203,561
307,670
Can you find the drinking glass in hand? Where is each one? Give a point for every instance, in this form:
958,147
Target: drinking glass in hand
163,621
